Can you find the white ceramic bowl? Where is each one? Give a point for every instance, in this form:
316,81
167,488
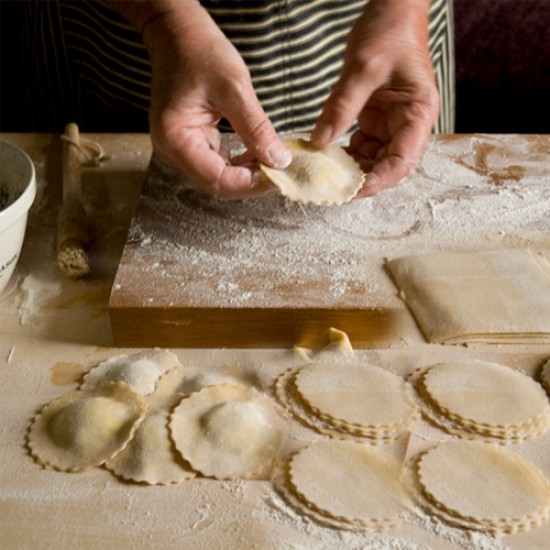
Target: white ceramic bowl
17,192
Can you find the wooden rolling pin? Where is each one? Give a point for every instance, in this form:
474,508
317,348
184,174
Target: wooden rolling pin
73,236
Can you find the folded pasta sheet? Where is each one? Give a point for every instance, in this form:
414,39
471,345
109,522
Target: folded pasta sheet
500,297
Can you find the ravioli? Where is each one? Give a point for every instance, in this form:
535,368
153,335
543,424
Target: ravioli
84,428
228,431
327,176
141,370
150,457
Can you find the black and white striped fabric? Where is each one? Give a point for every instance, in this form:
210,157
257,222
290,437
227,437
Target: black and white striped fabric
92,67
293,50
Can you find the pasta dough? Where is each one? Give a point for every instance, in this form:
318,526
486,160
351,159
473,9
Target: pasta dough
351,482
357,395
488,399
483,393
328,394
84,428
331,340
150,457
509,493
141,371
484,297
228,431
319,176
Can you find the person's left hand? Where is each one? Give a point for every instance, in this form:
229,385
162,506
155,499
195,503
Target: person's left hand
387,84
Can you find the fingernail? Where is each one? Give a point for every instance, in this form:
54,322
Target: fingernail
371,179
279,156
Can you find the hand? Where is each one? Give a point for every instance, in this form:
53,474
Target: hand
198,77
387,84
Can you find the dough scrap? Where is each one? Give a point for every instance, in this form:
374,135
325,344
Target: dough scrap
351,482
503,296
357,395
327,176
228,431
331,340
140,371
84,428
479,394
150,457
509,494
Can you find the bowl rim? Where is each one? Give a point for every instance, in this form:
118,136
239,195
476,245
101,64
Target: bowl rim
19,208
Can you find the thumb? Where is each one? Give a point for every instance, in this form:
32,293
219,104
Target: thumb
248,119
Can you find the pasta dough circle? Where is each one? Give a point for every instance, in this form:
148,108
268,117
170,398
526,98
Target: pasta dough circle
287,395
357,395
480,393
318,176
228,431
150,456
351,482
508,488
84,428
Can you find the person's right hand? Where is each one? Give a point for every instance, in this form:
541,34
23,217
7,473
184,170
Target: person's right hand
199,77
388,85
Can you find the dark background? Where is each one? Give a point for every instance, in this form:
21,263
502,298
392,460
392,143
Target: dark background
502,50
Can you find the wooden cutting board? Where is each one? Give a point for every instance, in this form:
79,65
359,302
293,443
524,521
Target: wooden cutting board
197,272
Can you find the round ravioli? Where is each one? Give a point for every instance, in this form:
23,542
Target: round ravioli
485,484
84,428
141,371
318,176
357,395
228,431
151,457
351,482
479,393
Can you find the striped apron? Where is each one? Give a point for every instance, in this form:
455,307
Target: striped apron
93,68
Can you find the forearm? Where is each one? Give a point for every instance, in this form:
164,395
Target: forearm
139,12
173,31
169,16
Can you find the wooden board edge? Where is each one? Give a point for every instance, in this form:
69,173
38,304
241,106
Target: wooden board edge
248,328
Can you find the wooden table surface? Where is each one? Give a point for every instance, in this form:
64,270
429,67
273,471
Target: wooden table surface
53,329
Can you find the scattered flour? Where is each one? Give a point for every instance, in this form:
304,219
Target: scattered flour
258,252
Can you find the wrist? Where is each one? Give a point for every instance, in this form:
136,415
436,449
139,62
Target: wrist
400,10
167,27
408,18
